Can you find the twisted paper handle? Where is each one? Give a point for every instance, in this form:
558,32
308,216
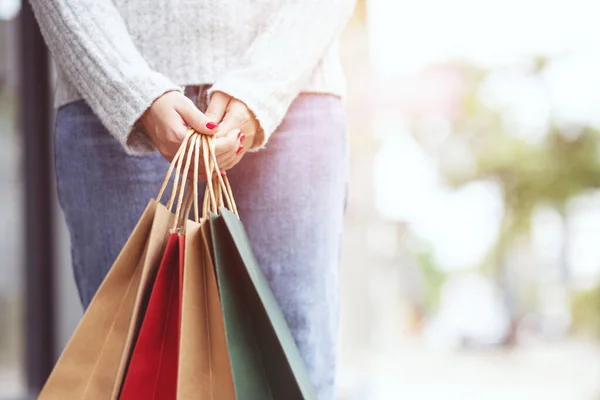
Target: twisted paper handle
184,197
218,190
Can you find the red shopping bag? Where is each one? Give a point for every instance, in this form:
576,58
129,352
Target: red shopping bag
152,371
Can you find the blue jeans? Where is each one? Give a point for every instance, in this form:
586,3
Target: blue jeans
290,196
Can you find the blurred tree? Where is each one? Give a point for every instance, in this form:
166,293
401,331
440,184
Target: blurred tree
433,276
585,307
550,172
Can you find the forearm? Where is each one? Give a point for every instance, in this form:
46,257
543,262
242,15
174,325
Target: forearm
282,58
91,45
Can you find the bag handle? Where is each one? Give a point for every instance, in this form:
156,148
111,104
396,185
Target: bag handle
209,194
191,194
186,170
188,201
222,178
218,190
185,197
175,162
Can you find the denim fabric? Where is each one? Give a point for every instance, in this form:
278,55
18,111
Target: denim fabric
290,196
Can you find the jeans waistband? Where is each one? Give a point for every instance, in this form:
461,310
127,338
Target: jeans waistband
199,95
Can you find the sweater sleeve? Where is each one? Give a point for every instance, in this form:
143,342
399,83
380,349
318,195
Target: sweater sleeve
90,43
282,58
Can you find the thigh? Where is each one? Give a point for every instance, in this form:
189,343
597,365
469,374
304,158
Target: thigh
102,191
291,198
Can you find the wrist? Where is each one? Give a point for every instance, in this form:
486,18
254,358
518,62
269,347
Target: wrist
257,140
147,123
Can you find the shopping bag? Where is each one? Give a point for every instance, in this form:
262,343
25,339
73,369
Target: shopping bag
203,370
92,363
156,244
94,360
152,372
153,368
265,360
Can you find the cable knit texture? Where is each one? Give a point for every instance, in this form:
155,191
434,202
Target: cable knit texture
120,55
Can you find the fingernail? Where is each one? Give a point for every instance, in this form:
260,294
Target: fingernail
240,134
239,150
223,173
242,138
211,125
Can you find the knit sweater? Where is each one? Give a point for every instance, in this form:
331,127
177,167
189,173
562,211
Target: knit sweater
121,55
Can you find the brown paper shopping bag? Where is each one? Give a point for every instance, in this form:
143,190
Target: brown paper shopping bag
204,369
92,363
95,359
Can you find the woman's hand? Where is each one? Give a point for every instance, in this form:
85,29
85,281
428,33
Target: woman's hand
166,123
238,127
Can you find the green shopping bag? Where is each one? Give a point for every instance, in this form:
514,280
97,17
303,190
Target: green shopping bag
265,360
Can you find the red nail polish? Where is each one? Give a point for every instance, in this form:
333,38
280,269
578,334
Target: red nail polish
211,125
239,150
223,173
240,134
242,138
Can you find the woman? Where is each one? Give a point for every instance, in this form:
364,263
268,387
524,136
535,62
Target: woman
268,82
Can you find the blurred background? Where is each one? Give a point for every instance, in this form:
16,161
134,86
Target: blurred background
471,259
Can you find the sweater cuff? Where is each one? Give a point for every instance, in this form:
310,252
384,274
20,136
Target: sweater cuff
268,107
126,129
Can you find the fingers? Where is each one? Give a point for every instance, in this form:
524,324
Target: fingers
237,123
217,107
195,118
232,161
234,155
238,117
173,132
226,147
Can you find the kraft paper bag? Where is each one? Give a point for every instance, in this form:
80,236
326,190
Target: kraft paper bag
97,356
265,360
163,219
204,369
92,364
153,369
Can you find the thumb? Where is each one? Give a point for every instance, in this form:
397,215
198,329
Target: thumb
195,118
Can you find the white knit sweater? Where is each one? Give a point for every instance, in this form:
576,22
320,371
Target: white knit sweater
120,55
